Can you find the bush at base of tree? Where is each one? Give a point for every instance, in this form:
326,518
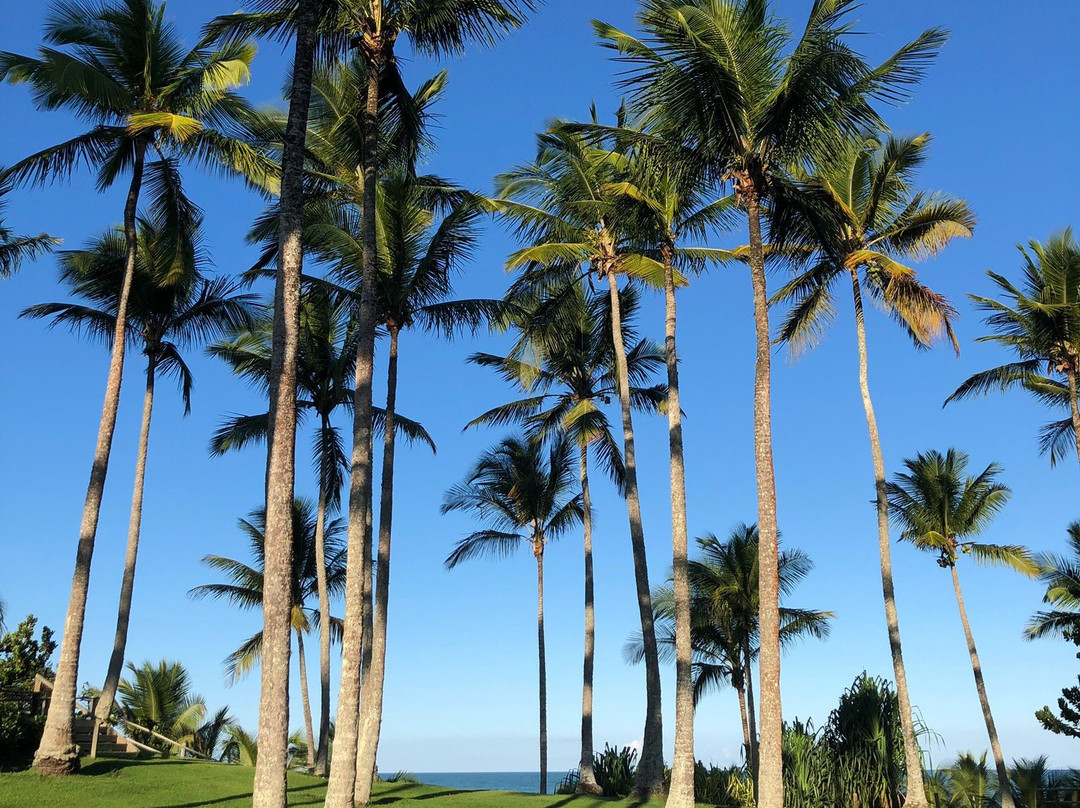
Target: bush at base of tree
21,659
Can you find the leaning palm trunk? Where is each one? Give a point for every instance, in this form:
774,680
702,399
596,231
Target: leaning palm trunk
57,754
586,776
322,753
127,585
271,766
650,771
371,697
681,794
751,715
916,793
1074,408
340,790
1005,789
770,785
538,551
739,684
309,733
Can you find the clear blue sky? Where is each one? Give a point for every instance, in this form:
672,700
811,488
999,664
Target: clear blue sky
461,691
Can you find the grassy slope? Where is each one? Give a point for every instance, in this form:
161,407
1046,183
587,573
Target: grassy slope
193,784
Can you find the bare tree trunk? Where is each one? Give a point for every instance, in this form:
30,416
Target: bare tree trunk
650,770
271,767
1005,789
916,793
56,754
1074,409
739,683
538,551
681,793
586,776
371,697
751,715
341,787
127,584
322,752
309,732
770,756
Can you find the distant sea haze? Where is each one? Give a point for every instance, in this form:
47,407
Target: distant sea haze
525,782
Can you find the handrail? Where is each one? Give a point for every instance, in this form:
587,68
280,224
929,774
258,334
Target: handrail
183,748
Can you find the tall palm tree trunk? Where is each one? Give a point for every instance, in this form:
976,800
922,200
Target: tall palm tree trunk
340,789
127,584
650,771
586,776
1074,408
681,794
271,767
739,683
751,716
309,732
371,697
916,793
1005,789
770,755
538,551
56,754
322,753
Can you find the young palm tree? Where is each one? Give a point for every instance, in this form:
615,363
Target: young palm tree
121,67
564,205
1060,575
754,108
566,366
165,316
247,588
16,249
941,510
522,497
874,219
159,698
1040,325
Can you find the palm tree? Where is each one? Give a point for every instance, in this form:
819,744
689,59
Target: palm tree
1061,576
762,103
522,497
240,747
210,735
940,510
165,317
1040,325
247,589
564,204
874,219
125,71
1029,775
16,249
159,698
566,366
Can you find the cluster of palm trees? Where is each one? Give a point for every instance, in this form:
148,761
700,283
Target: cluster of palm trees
729,121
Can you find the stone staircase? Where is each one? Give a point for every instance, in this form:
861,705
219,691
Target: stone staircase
110,742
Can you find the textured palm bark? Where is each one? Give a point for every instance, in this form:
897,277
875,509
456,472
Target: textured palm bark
538,551
131,555
770,754
681,793
1074,408
309,732
57,754
586,776
751,714
371,697
340,792
271,765
650,771
916,792
1005,792
322,752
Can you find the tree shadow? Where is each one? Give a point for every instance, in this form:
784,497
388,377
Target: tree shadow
388,796
246,796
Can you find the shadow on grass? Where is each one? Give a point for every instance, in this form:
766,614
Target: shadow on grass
388,796
248,795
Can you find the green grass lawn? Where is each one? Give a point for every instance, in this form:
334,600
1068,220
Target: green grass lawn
194,784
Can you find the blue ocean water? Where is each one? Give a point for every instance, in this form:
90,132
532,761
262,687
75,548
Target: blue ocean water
524,782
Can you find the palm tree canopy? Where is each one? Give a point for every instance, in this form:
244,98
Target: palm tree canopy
1038,322
941,509
121,66
16,249
523,492
159,698
1060,574
868,218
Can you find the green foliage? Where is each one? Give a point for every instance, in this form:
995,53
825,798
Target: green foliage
615,769
731,786
1067,719
159,698
22,657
